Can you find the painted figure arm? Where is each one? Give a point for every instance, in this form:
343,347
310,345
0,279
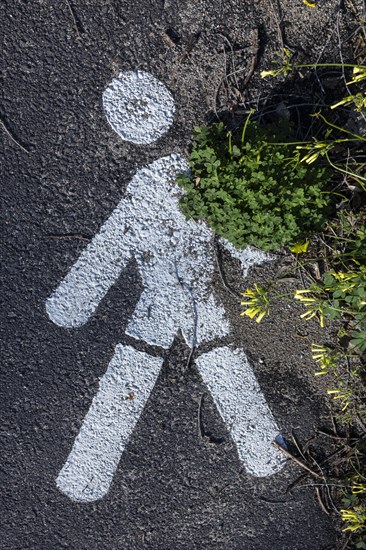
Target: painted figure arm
248,256
98,267
136,225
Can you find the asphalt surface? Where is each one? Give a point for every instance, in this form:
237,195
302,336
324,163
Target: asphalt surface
179,483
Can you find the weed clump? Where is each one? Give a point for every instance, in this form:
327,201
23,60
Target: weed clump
250,188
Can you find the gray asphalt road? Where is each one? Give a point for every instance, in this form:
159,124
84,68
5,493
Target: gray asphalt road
180,483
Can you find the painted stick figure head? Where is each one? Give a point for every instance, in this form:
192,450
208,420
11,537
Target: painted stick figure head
138,107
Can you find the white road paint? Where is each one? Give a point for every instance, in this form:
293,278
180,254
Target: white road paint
241,404
176,261
138,107
123,392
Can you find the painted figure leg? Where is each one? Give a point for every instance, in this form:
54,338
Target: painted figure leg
242,405
113,414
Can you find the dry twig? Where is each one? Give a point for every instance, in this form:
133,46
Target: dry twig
253,55
296,460
76,23
321,503
221,273
191,44
11,136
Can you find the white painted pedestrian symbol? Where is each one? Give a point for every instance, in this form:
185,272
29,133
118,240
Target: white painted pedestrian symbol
175,258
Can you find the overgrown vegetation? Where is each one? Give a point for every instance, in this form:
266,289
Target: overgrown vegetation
249,189
263,186
338,287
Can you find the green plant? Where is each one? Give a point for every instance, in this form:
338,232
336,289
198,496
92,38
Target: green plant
340,294
354,509
328,145
248,189
347,292
339,253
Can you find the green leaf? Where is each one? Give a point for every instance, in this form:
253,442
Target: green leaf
280,202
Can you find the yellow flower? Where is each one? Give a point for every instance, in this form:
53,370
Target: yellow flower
320,354
358,99
264,74
318,351
248,292
300,248
356,518
258,303
358,488
343,395
300,294
252,312
311,313
326,357
315,305
359,73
